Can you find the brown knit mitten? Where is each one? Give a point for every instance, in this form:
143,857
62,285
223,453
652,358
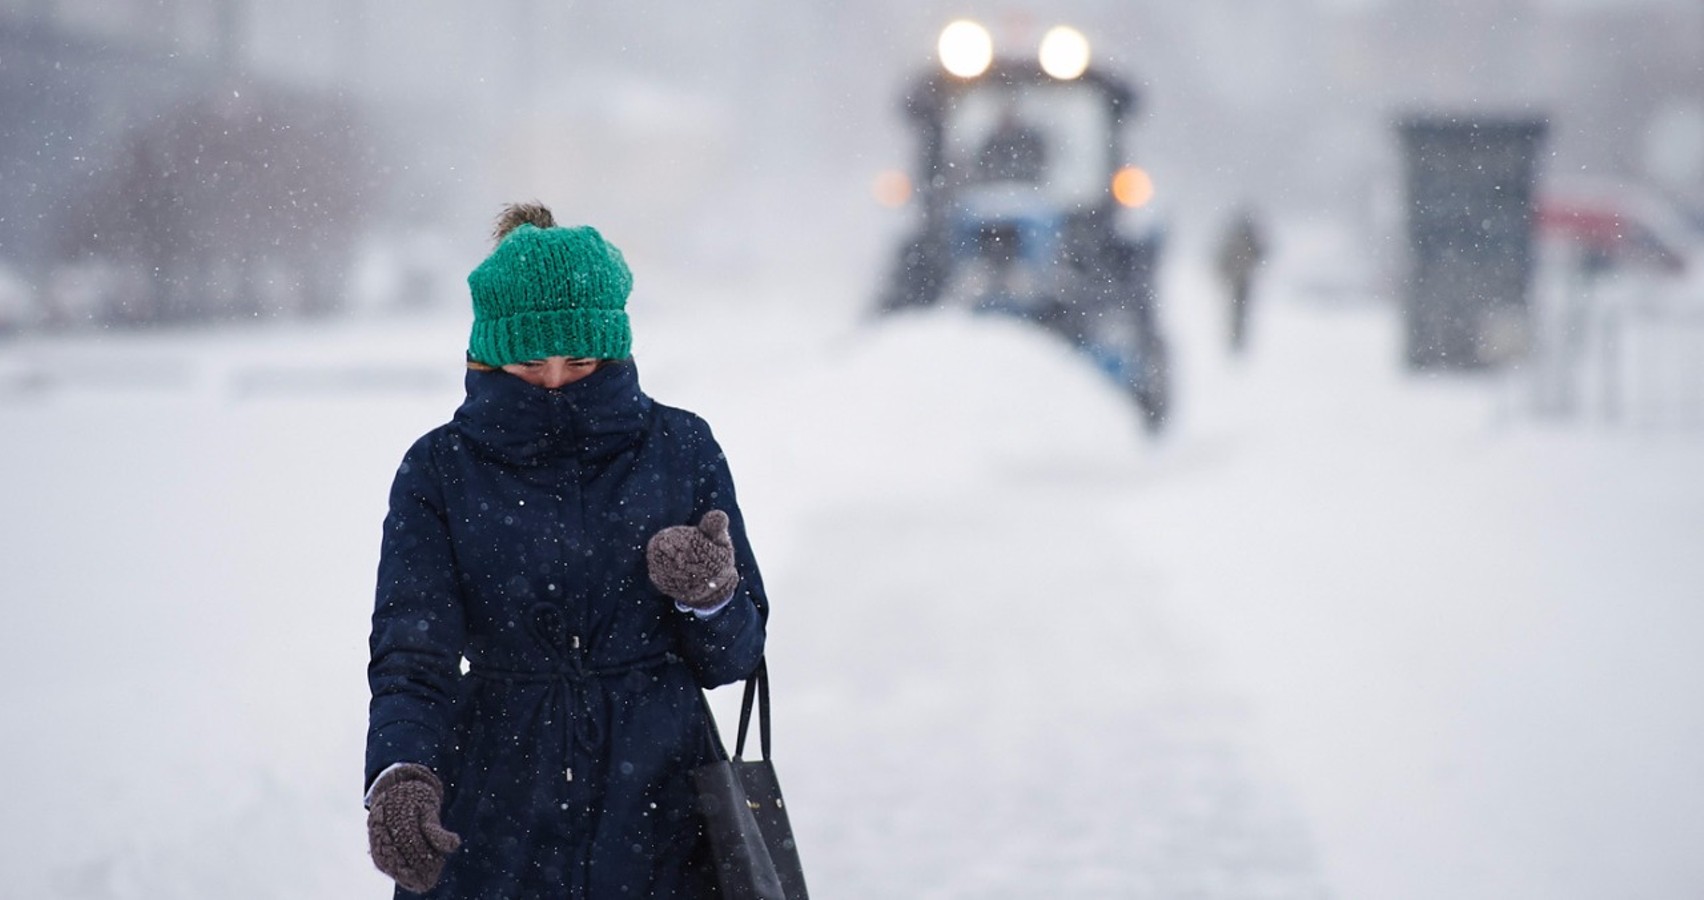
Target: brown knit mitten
403,832
694,565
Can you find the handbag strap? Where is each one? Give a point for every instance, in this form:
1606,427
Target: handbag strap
756,687
710,726
757,684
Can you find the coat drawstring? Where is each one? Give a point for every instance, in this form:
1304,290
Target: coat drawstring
581,726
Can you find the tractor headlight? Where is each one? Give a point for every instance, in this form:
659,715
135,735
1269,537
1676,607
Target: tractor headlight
966,48
892,189
1132,187
1064,52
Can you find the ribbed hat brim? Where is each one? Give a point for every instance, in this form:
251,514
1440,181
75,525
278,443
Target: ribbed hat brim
585,333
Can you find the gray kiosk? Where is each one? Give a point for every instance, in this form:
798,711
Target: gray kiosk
1469,187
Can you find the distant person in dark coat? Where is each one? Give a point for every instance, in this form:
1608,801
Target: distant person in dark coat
564,567
1241,251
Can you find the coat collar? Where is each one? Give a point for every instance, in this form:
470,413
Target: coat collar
521,423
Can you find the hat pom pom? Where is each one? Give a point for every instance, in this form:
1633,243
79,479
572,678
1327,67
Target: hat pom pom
517,214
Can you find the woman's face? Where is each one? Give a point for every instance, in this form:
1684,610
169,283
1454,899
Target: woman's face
553,371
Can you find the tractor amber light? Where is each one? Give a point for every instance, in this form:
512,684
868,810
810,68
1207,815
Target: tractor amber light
966,48
1064,52
1132,187
892,189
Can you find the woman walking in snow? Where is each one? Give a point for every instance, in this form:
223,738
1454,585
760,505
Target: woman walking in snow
564,567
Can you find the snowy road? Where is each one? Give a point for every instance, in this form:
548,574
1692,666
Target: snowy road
1343,633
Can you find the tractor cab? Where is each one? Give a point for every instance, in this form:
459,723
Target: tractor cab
1023,192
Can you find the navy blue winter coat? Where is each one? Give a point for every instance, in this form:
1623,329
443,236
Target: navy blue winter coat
515,540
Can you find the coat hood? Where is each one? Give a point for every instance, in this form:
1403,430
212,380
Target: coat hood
520,423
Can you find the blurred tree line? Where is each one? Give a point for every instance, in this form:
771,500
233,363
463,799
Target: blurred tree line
150,176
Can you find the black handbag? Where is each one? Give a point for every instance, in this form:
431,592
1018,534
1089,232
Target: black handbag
739,802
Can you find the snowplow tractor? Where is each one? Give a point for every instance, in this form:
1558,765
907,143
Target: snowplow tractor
1028,206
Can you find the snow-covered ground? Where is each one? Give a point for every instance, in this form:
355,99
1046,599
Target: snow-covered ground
1343,632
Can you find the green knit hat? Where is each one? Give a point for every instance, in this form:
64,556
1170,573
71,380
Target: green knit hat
550,292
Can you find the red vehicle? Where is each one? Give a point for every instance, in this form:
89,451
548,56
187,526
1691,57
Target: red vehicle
1621,226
